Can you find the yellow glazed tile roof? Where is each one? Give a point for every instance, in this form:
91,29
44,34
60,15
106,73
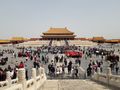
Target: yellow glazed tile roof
4,41
98,38
17,38
113,40
59,30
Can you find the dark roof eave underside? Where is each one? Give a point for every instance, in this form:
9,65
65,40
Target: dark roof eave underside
57,35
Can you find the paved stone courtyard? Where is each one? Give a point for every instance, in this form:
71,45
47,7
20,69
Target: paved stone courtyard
62,83
74,85
29,64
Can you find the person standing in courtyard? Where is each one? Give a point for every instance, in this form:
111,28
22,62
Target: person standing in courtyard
69,67
21,65
65,62
117,69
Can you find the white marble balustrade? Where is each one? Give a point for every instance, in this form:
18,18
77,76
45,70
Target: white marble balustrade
35,83
108,78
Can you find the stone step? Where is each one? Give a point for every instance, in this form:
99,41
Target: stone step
73,85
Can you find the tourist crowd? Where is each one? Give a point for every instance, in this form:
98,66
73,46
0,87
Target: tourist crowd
60,65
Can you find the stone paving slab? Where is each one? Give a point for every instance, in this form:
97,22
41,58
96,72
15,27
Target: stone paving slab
73,85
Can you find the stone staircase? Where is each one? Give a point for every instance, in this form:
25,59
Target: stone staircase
50,43
73,85
66,42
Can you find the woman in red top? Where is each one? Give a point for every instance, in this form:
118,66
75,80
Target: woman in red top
21,65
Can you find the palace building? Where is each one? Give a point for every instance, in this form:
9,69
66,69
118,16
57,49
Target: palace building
58,34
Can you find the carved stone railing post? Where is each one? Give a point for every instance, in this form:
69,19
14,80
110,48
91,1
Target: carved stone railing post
109,71
98,73
39,71
22,78
108,74
9,78
44,74
98,70
34,77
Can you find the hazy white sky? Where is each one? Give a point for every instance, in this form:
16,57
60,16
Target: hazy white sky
87,18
